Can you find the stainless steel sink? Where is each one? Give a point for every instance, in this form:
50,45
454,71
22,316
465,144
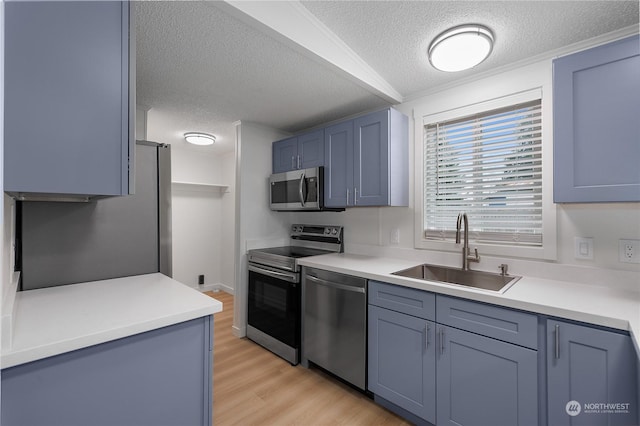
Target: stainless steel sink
474,279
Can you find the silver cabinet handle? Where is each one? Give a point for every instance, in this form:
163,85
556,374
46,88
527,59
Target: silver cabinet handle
301,191
298,161
355,196
347,196
426,344
557,341
441,334
335,285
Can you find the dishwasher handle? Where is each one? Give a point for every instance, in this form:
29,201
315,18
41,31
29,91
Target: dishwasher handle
335,285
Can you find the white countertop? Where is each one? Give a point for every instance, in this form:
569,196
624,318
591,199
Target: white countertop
606,306
54,320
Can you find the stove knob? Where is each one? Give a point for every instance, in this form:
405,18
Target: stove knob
327,231
334,231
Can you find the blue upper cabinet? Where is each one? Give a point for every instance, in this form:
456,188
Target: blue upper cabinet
367,161
285,154
338,154
311,149
587,367
69,98
299,152
596,105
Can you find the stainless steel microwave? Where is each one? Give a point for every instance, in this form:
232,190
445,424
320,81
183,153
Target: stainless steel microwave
297,190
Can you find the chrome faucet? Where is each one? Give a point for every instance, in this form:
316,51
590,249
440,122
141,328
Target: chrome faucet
466,252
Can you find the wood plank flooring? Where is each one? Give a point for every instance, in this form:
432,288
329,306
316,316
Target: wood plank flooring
252,386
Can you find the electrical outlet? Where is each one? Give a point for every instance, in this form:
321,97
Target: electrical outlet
629,251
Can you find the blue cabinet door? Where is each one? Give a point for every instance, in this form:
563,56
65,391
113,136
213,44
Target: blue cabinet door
311,149
285,155
69,98
596,105
402,363
483,381
298,152
587,366
161,377
371,159
338,156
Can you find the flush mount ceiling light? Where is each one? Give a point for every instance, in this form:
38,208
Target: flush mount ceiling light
461,48
199,138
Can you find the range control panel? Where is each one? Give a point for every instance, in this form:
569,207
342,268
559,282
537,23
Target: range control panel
301,231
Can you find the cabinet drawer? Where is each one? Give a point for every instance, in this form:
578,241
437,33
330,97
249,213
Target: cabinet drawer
499,323
409,301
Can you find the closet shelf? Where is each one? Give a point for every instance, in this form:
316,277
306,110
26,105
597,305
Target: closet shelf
209,187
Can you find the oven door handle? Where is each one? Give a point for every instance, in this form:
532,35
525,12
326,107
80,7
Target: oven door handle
335,285
301,190
274,274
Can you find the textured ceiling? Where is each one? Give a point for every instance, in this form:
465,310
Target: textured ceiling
201,69
393,37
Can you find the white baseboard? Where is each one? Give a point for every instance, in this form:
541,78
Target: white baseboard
215,288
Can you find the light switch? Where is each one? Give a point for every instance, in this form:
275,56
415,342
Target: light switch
583,248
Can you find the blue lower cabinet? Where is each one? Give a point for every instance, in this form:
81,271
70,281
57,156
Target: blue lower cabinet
484,382
591,376
402,362
161,377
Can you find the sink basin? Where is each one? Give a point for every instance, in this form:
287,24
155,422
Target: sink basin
474,279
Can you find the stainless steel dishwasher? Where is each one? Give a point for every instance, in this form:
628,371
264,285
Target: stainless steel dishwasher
334,324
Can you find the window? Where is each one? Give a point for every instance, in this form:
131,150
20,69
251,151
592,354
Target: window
488,165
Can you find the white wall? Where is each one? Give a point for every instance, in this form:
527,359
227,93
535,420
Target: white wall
228,214
256,226
202,220
368,230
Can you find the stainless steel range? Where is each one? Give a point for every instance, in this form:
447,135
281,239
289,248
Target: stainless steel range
274,300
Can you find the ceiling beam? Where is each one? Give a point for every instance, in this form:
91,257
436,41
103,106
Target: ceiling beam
291,23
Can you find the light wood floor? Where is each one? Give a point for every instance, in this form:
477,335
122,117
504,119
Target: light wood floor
252,386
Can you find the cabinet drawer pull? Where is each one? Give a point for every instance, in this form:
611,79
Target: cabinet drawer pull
557,341
426,345
441,335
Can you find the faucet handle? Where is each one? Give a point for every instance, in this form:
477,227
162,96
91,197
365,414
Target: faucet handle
475,257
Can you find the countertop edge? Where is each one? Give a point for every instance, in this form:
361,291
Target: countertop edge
31,345
19,357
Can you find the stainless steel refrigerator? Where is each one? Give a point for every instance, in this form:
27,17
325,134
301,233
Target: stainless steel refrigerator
66,243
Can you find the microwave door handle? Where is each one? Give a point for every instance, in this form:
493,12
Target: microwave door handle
301,190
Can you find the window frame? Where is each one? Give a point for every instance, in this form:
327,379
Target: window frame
511,88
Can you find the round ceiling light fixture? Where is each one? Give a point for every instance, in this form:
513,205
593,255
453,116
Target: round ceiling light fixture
461,48
197,138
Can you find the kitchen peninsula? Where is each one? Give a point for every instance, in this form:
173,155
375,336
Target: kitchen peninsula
134,350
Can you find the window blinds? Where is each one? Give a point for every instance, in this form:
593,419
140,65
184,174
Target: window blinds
488,165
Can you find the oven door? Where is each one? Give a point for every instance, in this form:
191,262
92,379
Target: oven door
296,190
273,318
